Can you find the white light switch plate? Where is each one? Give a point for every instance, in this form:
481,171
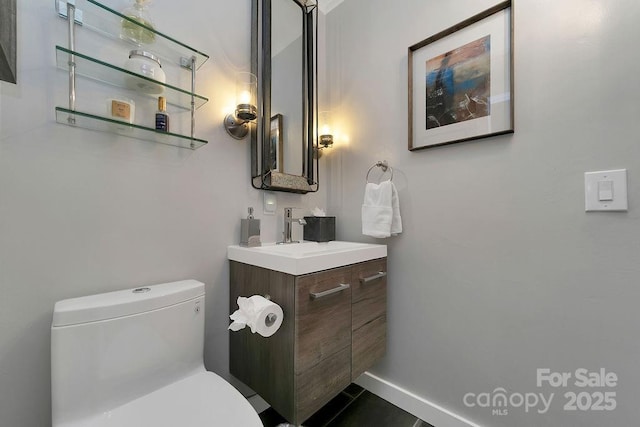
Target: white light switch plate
270,203
605,190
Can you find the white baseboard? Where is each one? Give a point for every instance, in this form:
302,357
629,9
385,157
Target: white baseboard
413,404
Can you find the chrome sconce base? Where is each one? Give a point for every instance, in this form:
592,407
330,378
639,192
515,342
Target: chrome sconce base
317,152
236,127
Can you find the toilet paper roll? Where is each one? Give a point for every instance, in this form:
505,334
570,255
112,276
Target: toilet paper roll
260,314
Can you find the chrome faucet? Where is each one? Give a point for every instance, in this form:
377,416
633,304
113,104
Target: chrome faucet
288,221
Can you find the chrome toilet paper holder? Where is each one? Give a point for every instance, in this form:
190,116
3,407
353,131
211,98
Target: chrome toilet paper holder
271,318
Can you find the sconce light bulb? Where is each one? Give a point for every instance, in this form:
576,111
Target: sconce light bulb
326,136
236,123
245,97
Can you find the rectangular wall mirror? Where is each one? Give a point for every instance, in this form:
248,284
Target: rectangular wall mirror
8,40
284,44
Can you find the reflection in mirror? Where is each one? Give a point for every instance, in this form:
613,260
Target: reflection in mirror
275,147
283,56
286,79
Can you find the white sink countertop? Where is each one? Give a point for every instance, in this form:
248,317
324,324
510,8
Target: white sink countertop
306,257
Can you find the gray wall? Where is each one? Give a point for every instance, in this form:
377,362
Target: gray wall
84,212
500,271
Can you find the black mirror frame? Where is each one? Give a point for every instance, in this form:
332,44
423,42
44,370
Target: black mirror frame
262,177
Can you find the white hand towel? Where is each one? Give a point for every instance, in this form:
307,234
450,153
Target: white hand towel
396,220
381,210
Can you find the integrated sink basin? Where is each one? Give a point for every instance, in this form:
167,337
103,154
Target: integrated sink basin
306,257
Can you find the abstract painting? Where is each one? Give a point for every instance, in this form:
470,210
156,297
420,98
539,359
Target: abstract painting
458,84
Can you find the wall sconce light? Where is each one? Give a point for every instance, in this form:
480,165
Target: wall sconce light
326,136
237,124
325,139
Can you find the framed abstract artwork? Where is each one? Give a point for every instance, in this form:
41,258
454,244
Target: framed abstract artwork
461,81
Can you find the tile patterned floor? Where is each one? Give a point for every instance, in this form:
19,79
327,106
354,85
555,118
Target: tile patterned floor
353,407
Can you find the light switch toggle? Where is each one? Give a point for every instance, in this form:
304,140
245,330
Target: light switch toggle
605,191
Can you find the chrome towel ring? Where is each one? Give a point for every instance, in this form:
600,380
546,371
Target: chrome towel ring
384,165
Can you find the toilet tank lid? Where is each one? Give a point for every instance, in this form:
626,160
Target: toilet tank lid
116,304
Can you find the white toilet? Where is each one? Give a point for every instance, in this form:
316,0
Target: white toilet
134,358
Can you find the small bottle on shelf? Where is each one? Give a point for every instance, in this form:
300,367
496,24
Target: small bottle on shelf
162,118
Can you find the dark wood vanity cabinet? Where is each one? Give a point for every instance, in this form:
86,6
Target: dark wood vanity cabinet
334,328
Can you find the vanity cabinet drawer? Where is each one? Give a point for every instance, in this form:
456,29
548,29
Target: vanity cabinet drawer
369,345
369,291
322,316
319,384
369,314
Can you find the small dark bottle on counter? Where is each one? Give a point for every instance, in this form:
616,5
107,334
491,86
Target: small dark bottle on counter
162,118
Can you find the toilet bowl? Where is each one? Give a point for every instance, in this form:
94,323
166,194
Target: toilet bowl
135,358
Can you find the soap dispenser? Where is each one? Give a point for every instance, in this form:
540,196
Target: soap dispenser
250,231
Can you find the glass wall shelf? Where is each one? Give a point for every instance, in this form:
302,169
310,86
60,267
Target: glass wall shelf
102,19
106,73
104,124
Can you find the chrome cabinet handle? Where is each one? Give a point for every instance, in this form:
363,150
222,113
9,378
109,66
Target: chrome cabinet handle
380,275
341,287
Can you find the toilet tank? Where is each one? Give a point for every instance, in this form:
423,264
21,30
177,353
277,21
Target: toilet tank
111,348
